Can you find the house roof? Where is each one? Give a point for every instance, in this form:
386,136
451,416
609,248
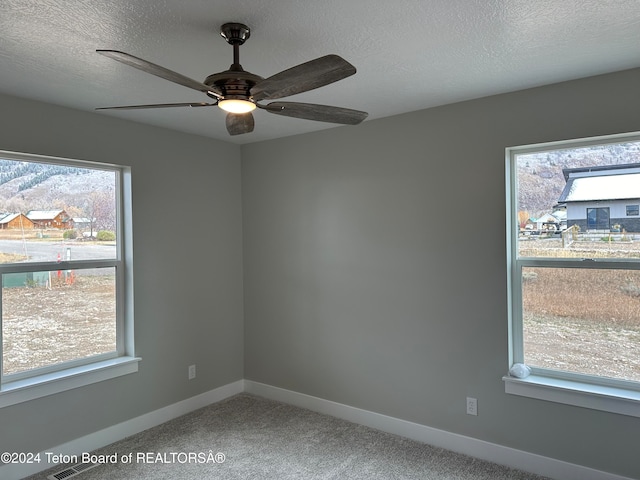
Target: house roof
616,182
599,170
43,214
546,217
8,217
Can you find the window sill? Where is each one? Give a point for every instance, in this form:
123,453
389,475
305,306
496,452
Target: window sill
35,387
596,397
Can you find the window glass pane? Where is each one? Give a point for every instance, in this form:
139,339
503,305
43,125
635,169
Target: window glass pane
633,210
574,202
58,316
51,212
598,219
582,320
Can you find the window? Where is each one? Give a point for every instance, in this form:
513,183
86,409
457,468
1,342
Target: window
597,218
574,293
65,297
633,210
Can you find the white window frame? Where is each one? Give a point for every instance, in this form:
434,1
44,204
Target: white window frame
24,386
599,393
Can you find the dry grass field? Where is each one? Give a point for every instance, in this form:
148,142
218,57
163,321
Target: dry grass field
46,325
598,330
32,234
61,321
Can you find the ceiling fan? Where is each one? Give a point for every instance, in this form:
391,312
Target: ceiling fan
238,92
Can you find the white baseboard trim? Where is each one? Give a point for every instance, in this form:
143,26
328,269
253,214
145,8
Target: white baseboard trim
122,430
473,447
510,457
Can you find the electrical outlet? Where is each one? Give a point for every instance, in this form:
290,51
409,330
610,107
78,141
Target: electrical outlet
192,372
472,406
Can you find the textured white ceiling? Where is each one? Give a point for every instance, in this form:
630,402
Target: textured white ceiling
410,54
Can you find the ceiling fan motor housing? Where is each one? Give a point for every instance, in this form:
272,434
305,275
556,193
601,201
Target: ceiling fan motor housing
232,83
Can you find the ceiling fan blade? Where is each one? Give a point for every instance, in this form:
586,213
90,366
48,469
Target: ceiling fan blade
156,70
239,123
159,105
302,78
320,113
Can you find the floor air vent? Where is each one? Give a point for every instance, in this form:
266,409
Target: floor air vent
72,471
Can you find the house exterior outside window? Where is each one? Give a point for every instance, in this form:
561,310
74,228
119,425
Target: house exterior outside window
597,197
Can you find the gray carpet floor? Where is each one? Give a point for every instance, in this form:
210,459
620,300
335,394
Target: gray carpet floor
266,440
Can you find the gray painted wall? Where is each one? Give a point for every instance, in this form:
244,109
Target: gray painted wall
188,275
375,266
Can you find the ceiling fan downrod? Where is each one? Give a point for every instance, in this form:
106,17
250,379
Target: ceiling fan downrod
235,34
